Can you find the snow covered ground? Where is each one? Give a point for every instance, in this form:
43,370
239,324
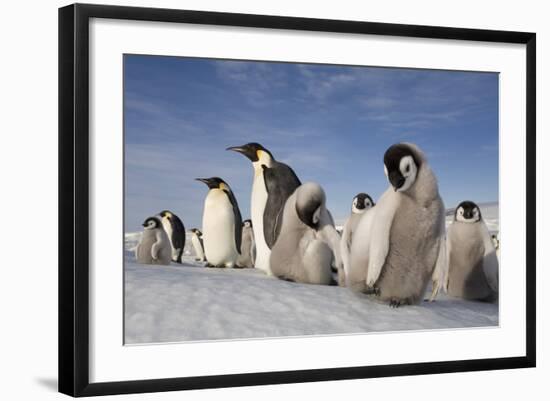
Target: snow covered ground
191,303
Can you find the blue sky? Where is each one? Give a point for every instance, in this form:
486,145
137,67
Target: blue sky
331,124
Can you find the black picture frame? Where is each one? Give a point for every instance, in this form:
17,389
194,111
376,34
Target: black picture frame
74,198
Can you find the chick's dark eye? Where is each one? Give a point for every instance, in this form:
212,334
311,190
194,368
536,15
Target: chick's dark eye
407,168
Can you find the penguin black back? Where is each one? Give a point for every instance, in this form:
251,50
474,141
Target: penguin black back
238,219
178,229
280,182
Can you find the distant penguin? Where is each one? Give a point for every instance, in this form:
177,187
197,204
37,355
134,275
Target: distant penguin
399,244
154,247
176,233
360,204
196,240
473,263
273,183
246,259
221,224
308,245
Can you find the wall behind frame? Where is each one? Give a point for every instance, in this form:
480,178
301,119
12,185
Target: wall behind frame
29,202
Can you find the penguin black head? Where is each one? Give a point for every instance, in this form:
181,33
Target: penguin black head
467,212
251,150
151,223
247,223
400,166
214,183
196,231
361,202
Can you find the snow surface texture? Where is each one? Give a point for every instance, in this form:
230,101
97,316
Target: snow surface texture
191,303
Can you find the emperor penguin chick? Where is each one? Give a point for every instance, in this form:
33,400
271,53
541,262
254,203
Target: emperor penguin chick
400,243
246,259
308,244
473,263
360,204
154,247
221,224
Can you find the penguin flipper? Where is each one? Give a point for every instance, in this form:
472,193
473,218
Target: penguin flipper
155,248
345,243
238,220
379,241
280,182
178,232
440,274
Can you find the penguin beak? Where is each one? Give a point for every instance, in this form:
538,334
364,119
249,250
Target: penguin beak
245,150
210,183
204,180
396,180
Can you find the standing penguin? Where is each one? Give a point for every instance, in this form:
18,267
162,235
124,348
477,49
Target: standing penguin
400,243
176,233
473,263
361,203
247,246
308,245
196,240
154,246
221,224
273,183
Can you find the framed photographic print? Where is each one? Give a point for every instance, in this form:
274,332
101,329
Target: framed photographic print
251,199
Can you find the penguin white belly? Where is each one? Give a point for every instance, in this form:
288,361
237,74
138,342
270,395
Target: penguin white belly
197,247
257,207
219,230
168,229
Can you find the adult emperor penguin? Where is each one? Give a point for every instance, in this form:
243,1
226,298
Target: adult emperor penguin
473,263
196,240
176,233
246,259
221,224
360,204
308,245
273,183
400,243
154,247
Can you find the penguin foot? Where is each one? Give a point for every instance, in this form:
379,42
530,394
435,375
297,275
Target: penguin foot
396,303
372,291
